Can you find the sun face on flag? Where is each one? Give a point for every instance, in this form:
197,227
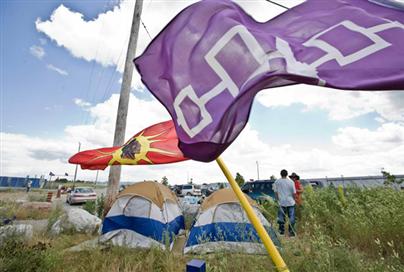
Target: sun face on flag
137,149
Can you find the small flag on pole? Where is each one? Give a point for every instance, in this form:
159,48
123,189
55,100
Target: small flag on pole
157,144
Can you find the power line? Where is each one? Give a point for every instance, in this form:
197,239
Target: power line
145,28
91,78
277,4
108,89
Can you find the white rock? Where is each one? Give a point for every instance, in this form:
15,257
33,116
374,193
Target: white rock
77,220
23,230
56,227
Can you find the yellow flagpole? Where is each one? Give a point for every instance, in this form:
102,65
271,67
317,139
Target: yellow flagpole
262,233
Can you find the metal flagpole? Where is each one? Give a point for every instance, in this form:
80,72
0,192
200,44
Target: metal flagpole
262,233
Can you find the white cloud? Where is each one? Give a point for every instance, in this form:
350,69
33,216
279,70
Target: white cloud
380,120
340,105
141,114
18,156
81,103
57,70
37,51
387,137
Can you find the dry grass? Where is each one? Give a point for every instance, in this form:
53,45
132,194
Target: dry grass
9,209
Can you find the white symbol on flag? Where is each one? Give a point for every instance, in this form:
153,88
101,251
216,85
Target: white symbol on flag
284,51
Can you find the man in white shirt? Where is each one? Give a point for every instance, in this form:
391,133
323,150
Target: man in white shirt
285,192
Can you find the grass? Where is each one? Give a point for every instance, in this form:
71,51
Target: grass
8,209
40,197
362,232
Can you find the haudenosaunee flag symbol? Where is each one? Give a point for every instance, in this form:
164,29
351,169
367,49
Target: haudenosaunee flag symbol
210,61
157,144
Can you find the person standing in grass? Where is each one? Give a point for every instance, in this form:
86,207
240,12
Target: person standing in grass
29,184
298,197
285,192
299,189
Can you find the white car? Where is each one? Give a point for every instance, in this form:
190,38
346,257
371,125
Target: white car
81,195
191,190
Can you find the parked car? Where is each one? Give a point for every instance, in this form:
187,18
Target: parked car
177,189
315,184
206,192
122,187
259,189
190,190
81,195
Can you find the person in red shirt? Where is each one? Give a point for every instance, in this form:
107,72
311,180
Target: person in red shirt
298,196
298,187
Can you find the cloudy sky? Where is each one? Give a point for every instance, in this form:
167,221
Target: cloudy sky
61,69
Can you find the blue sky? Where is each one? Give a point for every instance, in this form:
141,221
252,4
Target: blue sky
39,100
55,92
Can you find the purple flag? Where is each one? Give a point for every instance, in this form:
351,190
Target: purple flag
209,62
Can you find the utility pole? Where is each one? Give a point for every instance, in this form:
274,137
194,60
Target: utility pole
258,171
120,126
75,171
96,179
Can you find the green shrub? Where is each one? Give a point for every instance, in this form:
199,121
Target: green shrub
100,205
89,206
96,207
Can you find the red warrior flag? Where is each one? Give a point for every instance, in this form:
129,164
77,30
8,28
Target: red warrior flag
157,144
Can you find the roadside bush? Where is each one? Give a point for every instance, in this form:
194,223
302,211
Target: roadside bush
89,206
96,207
100,205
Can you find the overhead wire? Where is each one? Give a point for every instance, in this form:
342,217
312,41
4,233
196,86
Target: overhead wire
85,116
109,86
277,4
108,89
145,28
102,72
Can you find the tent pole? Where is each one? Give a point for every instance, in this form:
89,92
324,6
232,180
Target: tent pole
262,233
